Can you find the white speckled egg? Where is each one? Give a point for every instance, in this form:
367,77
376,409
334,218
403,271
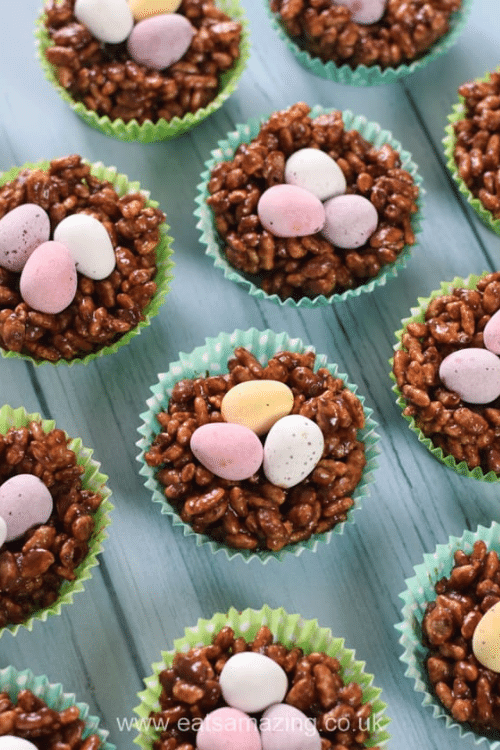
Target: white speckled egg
160,41
48,279
108,20
486,639
3,531
257,404
146,8
292,448
24,502
251,682
9,742
315,171
290,211
89,243
230,451
491,333
350,220
21,231
284,726
364,11
472,373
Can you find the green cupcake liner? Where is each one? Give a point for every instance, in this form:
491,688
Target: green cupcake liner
244,133
449,141
418,316
419,591
13,681
92,479
164,251
291,630
149,131
372,75
212,358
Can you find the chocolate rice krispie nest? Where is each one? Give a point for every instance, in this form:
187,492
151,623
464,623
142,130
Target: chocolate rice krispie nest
310,266
256,514
191,689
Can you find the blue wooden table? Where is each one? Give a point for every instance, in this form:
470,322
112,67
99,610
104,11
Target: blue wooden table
152,581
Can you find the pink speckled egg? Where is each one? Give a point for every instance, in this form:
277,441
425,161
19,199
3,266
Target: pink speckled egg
21,231
48,280
290,211
364,11
24,502
491,333
350,221
160,41
228,729
284,726
230,451
472,373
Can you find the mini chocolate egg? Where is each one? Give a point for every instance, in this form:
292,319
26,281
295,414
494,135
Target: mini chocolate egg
229,451
364,11
350,220
284,726
228,729
251,681
292,448
160,41
48,279
474,374
486,639
290,211
109,21
21,231
257,404
9,742
24,502
89,243
3,531
146,8
491,333
315,171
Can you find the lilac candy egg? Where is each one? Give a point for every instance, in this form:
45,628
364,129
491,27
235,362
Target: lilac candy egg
364,11
21,231
474,374
251,682
315,171
290,211
48,280
230,451
228,729
284,726
24,502
491,333
350,221
160,41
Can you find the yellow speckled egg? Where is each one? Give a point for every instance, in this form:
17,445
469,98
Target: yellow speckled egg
257,404
486,639
146,8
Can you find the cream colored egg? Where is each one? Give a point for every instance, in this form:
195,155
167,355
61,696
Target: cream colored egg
486,639
257,404
146,8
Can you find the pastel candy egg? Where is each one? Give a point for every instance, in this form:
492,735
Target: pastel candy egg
229,451
491,333
160,41
21,231
474,374
285,726
3,531
350,220
146,8
251,682
257,404
486,639
293,447
228,729
290,211
315,171
24,502
108,20
9,742
364,11
89,244
48,280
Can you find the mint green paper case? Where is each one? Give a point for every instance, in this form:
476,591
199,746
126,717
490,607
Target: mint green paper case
372,132
92,479
212,358
13,681
291,630
372,75
163,277
419,591
449,141
161,130
417,315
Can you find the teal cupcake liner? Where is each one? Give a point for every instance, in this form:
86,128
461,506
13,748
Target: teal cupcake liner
420,591
458,113
149,132
13,681
92,479
372,75
164,251
291,630
209,235
212,358
418,316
